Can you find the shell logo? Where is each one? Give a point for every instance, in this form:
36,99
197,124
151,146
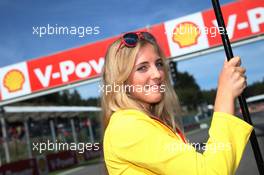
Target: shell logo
14,80
186,34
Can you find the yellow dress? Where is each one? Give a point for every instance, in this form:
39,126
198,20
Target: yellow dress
135,144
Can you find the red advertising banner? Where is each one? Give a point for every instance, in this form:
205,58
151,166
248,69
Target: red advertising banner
27,167
184,35
199,31
67,67
61,160
243,19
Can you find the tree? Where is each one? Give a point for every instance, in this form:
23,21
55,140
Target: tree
75,98
256,88
188,90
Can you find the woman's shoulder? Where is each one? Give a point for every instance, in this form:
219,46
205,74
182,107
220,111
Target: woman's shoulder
126,118
128,124
127,127
127,115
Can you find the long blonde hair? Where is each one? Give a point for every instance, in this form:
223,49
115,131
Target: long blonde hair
117,68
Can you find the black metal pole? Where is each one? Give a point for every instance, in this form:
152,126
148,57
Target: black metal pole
241,98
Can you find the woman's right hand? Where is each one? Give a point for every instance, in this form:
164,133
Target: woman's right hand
231,83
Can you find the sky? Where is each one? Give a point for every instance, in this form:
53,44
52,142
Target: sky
18,43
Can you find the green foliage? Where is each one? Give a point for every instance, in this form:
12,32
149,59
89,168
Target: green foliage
63,98
256,88
209,96
188,90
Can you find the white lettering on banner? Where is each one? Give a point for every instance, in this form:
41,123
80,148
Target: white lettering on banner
83,69
256,17
44,78
230,25
68,68
242,25
56,75
97,67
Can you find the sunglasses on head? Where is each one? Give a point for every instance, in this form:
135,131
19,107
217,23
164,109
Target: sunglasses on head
131,39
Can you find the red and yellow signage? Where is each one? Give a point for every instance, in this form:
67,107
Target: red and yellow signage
198,31
186,34
14,80
68,67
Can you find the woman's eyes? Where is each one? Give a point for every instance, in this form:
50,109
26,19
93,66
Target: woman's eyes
159,65
144,68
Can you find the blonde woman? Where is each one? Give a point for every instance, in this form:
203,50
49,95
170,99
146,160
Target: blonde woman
143,132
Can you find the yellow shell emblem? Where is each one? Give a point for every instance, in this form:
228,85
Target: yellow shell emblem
186,34
14,80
